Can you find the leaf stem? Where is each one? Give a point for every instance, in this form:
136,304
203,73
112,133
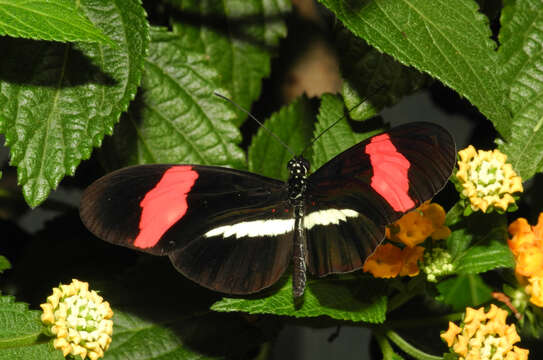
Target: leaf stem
425,321
384,345
400,299
408,348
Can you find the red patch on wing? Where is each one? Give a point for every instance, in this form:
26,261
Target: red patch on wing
390,173
164,205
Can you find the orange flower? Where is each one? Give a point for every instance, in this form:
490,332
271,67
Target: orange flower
526,245
529,262
385,262
519,226
484,336
416,226
538,229
535,290
411,258
521,241
389,261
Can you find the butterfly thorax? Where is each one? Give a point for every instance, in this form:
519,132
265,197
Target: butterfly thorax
298,168
297,186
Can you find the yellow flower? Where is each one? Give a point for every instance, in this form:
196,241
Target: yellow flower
484,336
526,245
416,226
79,319
486,179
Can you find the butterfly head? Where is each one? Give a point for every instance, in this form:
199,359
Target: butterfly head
298,167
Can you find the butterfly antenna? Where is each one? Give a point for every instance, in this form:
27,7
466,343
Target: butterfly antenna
257,121
342,117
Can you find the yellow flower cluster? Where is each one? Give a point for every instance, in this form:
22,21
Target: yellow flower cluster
484,336
486,179
79,319
411,229
526,245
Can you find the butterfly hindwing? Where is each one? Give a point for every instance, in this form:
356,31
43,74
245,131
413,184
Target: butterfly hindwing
226,229
367,187
235,265
341,245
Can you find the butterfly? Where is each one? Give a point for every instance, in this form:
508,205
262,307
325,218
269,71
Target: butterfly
237,232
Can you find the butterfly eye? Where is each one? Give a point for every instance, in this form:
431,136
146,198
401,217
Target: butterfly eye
291,164
306,165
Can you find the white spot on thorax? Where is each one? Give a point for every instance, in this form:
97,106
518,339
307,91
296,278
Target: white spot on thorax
328,216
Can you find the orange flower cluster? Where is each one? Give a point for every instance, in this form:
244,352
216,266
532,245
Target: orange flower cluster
416,226
484,336
413,228
527,247
389,261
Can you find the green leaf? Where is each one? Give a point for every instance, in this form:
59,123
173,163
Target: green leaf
238,38
463,291
182,334
449,41
478,243
459,241
482,258
177,119
136,338
520,60
338,138
371,79
4,264
57,20
455,214
343,300
41,351
18,325
480,231
57,101
293,124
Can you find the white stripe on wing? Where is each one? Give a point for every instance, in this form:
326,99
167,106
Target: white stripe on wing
327,217
254,228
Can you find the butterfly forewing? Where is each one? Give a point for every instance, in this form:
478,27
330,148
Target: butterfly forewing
369,186
226,229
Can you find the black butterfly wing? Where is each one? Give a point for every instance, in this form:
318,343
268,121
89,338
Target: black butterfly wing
227,230
354,196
